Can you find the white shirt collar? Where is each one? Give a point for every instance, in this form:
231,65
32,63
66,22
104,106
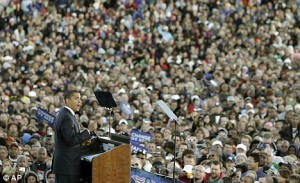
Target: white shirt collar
70,110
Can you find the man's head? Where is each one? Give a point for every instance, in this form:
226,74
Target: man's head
73,100
142,156
158,137
136,163
253,161
230,163
215,169
182,147
284,146
217,145
199,172
3,153
228,148
50,176
42,154
123,124
295,120
14,150
151,147
246,140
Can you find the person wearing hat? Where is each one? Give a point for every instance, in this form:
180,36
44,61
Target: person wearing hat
68,139
263,111
230,165
13,152
123,127
241,148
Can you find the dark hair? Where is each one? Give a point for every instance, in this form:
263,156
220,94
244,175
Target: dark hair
214,162
68,94
47,174
31,173
256,157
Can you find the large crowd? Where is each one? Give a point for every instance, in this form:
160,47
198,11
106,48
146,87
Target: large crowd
229,70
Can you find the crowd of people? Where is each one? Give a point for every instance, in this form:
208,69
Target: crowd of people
229,70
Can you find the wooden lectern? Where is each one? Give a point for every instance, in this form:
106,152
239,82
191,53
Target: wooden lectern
112,166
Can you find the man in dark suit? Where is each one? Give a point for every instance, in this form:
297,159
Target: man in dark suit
68,137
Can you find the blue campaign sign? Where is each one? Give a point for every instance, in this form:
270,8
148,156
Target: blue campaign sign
141,176
135,147
137,136
44,115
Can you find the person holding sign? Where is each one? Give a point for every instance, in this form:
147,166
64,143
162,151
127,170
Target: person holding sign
68,137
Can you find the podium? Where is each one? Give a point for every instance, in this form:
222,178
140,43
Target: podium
113,165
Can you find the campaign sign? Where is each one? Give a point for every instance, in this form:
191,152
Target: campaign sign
44,115
137,136
136,147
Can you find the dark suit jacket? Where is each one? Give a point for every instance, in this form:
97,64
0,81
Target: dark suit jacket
66,160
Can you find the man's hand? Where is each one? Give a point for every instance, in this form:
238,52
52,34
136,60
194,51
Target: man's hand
93,126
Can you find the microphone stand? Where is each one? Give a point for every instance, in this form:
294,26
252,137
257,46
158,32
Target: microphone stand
173,117
109,122
174,151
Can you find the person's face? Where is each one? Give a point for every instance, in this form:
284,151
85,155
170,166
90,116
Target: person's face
49,145
42,156
295,121
182,147
14,152
136,163
228,149
158,137
152,147
167,134
213,156
74,102
292,151
199,172
22,163
51,178
189,160
218,148
251,163
263,160
34,151
240,159
284,147
215,171
229,165
31,179
246,142
123,127
142,157
3,154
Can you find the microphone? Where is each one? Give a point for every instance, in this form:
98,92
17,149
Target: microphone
85,125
